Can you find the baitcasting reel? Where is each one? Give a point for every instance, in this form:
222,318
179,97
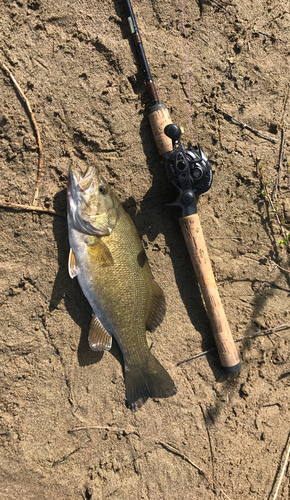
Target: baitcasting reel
188,170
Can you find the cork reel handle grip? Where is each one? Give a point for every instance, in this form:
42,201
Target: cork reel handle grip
196,245
159,117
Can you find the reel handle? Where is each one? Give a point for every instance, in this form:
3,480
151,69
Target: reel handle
196,246
159,118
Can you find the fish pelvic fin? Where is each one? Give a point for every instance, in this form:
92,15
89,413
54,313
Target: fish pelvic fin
72,264
150,380
157,308
99,338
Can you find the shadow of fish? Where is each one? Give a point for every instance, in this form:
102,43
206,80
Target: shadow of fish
112,269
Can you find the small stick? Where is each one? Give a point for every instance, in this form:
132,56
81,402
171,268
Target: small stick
105,428
177,452
261,287
264,332
279,267
65,457
31,115
250,336
221,6
174,450
208,437
263,33
196,356
284,468
280,162
272,37
255,131
282,230
273,263
16,206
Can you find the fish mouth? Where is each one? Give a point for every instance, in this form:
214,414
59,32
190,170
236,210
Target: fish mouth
85,181
74,183
78,181
79,184
69,185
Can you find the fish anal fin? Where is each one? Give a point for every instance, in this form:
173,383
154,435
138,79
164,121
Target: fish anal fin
99,338
99,252
72,264
157,308
150,380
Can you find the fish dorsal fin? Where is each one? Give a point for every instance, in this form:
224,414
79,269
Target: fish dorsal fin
157,308
99,252
99,338
72,264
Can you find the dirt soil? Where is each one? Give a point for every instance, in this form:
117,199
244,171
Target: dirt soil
76,63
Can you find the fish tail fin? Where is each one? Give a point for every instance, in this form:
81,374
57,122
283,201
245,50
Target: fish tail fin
150,380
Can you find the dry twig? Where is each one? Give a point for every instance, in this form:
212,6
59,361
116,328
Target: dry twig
273,263
250,336
196,356
264,332
16,206
65,457
177,452
280,162
244,125
288,175
284,467
105,428
35,127
266,281
208,437
264,182
222,7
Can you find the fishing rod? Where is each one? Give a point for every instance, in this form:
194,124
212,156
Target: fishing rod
190,172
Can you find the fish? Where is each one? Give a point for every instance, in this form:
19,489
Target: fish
107,256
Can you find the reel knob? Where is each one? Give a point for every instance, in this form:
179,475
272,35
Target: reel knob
187,197
173,132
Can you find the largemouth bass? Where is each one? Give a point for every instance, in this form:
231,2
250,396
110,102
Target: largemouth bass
112,269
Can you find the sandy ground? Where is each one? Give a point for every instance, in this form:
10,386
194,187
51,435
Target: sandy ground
76,64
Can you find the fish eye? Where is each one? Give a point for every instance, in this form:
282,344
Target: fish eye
102,190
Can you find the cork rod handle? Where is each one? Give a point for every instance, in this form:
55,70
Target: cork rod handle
196,245
159,117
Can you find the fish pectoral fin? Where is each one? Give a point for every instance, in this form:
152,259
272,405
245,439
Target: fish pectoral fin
99,338
72,264
99,252
157,308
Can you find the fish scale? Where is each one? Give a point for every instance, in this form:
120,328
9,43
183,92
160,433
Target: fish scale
129,285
